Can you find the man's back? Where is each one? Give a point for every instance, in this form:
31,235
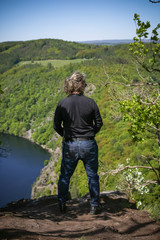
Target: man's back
80,116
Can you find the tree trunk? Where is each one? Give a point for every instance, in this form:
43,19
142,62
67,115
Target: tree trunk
158,141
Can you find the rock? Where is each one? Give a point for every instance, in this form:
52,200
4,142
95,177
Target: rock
40,219
47,179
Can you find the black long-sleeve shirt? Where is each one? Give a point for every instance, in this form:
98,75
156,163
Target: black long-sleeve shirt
77,116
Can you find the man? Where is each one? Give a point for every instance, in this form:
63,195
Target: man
77,119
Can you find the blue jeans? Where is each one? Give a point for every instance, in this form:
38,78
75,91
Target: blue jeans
72,152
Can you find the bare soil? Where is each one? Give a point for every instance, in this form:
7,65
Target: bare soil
41,220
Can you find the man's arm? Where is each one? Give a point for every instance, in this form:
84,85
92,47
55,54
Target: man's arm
58,121
98,123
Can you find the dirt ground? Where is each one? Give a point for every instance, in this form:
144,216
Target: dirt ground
41,220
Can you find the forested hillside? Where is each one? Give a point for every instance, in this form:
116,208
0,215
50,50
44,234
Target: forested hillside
13,52
31,92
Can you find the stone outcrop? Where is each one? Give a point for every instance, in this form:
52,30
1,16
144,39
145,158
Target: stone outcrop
40,219
47,179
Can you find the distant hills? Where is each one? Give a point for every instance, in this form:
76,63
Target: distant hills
108,42
12,53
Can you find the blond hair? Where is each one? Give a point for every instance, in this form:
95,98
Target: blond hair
75,83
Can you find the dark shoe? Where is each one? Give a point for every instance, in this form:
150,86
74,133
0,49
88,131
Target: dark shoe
62,207
95,210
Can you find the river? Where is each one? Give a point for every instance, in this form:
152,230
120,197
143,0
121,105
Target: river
20,164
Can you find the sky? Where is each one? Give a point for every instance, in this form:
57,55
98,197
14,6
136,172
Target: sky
73,20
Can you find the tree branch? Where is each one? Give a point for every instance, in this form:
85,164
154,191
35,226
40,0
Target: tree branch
108,77
154,170
149,182
157,129
135,84
154,1
113,172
